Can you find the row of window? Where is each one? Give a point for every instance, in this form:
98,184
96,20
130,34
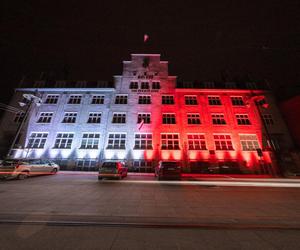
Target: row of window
169,141
144,85
167,118
146,99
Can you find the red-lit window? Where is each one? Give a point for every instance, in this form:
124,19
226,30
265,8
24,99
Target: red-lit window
98,99
242,119
116,141
249,142
134,85
218,119
237,101
52,99
37,140
121,99
145,99
193,118
94,117
169,119
214,100
168,99
196,142
119,118
74,99
144,85
155,85
143,141
69,117
190,100
223,142
144,116
170,141
268,119
45,117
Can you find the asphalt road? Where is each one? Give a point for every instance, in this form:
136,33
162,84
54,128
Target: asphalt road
72,211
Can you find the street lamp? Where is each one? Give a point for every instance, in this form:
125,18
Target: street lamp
30,99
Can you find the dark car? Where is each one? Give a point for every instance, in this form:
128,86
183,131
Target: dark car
111,169
168,170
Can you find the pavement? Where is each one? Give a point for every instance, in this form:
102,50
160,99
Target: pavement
73,210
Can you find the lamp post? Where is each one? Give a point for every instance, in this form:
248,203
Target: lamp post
31,99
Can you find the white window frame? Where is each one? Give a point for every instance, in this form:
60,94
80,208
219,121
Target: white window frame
190,100
214,100
37,140
115,142
119,118
52,99
90,140
223,142
193,117
75,99
249,142
121,99
144,116
218,119
143,141
94,117
237,101
144,99
64,142
45,117
169,118
167,100
70,117
242,119
97,99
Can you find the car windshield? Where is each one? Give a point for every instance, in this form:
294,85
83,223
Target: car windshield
169,164
9,162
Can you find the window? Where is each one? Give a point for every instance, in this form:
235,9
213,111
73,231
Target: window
143,141
134,85
193,118
144,116
90,141
223,142
145,99
70,117
168,99
144,85
116,141
142,166
119,118
237,101
268,119
214,100
74,99
37,140
52,99
242,119
64,140
155,85
98,99
249,142
196,142
170,141
190,100
94,117
218,119
45,117
19,117
121,99
169,119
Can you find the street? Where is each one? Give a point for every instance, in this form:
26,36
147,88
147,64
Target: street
76,211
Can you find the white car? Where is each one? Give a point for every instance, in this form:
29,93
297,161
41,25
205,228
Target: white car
23,168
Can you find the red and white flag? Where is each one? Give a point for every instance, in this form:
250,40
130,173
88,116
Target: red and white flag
141,124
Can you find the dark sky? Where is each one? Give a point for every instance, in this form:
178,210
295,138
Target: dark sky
90,39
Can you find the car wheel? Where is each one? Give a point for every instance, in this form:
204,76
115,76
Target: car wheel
23,175
54,171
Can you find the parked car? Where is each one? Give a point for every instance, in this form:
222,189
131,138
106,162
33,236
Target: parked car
23,168
112,169
168,170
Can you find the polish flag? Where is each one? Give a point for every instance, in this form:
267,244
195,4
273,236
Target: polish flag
141,124
146,37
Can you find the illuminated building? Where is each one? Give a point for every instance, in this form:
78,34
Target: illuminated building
147,116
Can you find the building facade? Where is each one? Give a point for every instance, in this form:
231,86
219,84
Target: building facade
147,116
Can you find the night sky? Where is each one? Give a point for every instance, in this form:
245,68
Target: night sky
88,40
